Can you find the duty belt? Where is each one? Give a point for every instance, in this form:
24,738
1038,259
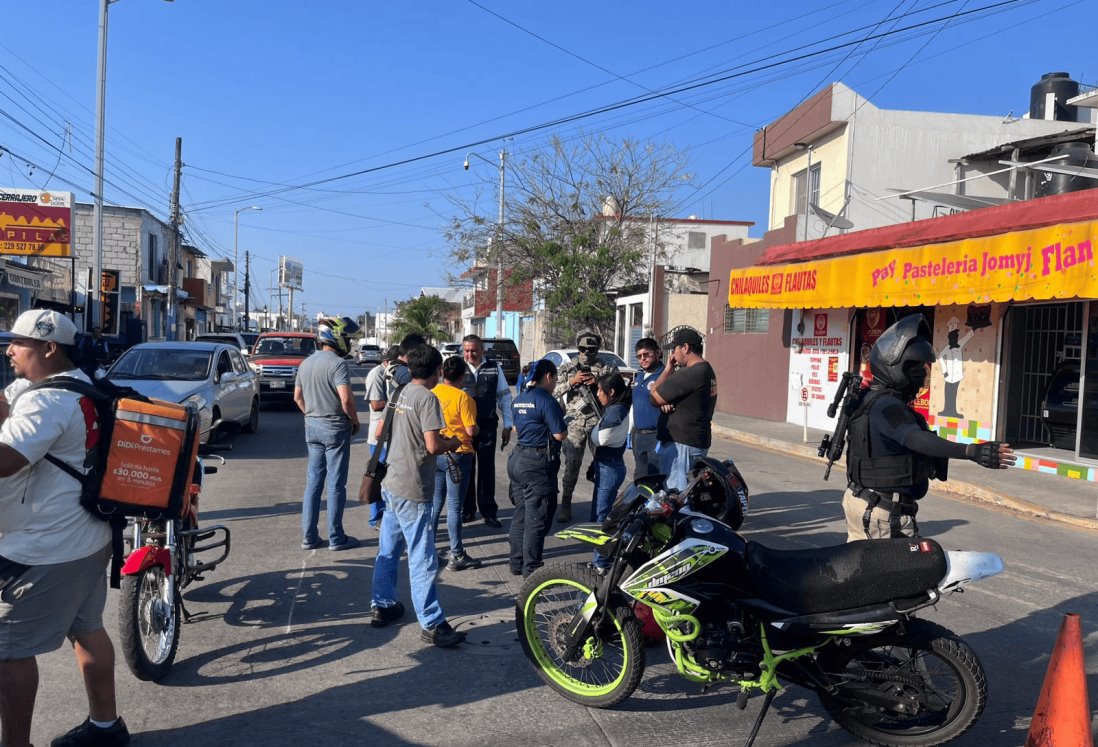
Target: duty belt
901,505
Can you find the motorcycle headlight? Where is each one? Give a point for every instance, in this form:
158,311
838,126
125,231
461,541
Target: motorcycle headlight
195,400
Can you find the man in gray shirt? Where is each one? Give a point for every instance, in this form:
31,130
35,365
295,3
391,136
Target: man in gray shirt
408,489
323,393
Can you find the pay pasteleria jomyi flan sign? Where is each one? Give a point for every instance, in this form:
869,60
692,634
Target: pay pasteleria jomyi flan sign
1040,264
34,223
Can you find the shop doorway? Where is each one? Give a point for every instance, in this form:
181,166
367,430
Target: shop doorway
1088,418
1043,356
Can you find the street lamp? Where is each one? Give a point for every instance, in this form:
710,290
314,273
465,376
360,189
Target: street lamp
232,298
100,117
499,238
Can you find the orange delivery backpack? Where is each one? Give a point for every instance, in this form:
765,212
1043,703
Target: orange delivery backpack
141,455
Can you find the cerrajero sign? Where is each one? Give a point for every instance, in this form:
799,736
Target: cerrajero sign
35,223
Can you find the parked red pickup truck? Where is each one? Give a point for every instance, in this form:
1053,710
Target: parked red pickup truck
275,358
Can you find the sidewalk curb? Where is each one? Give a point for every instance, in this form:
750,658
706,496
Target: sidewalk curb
957,489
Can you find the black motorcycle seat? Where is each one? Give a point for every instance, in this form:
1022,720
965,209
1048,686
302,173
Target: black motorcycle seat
857,574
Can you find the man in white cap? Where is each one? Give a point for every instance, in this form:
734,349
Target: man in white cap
53,553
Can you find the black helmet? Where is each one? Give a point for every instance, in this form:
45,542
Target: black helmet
905,341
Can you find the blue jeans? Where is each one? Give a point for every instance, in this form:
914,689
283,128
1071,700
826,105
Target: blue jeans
377,509
675,462
407,523
329,457
451,494
609,476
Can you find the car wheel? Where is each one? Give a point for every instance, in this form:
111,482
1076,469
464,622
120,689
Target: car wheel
253,418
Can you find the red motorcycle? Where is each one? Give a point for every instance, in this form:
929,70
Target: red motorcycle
164,560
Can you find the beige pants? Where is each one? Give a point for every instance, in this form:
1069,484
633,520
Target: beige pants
879,528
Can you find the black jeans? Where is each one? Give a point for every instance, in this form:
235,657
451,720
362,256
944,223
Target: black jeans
533,474
481,492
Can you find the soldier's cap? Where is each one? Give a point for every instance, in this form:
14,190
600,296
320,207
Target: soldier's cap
588,340
682,337
44,325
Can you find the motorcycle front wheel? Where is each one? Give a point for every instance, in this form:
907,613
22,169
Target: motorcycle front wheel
611,660
913,688
149,626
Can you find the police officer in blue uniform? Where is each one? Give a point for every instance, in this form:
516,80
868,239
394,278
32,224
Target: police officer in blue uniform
533,466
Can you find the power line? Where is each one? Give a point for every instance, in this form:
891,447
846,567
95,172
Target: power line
613,107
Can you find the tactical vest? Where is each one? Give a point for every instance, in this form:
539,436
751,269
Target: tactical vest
482,388
887,471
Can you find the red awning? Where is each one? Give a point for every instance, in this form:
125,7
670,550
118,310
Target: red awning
1016,216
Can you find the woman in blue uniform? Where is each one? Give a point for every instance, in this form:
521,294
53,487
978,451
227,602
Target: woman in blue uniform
608,441
533,466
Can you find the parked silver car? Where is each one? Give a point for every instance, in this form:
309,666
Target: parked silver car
212,376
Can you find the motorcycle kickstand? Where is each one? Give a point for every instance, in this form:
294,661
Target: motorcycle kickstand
767,700
186,614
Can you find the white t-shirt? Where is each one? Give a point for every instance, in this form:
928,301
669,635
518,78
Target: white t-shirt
375,389
41,519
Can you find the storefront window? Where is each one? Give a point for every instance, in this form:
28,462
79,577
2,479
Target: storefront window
1088,442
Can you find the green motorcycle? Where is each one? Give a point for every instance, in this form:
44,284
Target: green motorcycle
835,620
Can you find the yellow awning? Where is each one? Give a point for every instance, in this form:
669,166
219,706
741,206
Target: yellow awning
1043,263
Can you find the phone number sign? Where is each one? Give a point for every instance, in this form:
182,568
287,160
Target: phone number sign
35,223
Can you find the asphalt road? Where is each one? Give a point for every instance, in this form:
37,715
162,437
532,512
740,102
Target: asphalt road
281,653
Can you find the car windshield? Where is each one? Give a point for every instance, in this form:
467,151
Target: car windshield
285,346
604,357
174,365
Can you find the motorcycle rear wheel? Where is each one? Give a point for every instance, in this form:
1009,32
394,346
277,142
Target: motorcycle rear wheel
612,661
929,666
149,627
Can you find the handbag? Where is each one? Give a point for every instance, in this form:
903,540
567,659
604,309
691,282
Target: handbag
369,489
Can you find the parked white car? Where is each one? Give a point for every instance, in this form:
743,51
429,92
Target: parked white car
212,376
562,356
368,354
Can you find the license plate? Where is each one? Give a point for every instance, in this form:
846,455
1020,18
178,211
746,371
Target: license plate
278,385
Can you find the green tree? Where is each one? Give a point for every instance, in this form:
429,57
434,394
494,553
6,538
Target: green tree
579,221
424,315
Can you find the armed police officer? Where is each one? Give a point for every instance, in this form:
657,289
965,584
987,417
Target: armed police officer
892,455
577,384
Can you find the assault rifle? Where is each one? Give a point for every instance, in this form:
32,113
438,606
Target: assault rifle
587,394
847,398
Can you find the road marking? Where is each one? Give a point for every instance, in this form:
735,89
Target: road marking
293,599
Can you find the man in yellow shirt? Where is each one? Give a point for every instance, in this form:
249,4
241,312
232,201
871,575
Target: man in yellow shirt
459,413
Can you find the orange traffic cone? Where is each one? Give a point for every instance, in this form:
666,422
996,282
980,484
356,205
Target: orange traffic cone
1062,717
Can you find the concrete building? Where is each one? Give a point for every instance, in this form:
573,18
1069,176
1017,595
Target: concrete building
1001,265
844,156
678,277
136,249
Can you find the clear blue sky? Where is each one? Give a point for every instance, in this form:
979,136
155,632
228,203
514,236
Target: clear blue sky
272,92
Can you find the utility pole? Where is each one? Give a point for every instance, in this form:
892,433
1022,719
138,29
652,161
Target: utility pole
175,253
291,310
247,290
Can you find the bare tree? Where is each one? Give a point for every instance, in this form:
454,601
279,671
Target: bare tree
578,222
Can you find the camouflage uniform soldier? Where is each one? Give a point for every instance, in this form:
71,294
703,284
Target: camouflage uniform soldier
581,410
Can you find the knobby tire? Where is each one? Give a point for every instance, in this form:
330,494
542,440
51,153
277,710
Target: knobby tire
548,600
926,661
